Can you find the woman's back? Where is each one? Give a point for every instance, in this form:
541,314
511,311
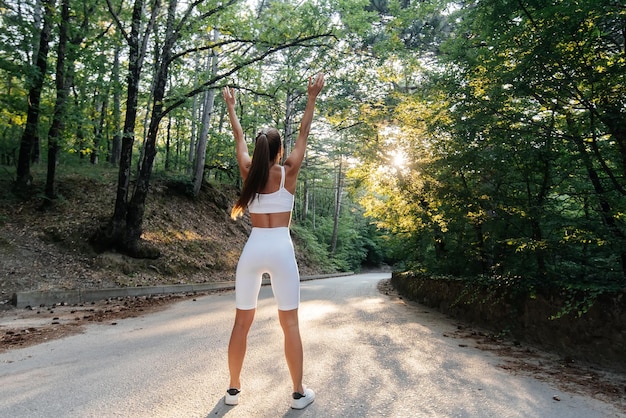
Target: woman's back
272,206
274,180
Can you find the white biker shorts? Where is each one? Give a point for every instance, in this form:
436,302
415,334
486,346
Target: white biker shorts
268,250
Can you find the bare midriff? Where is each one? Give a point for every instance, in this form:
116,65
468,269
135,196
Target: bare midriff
270,220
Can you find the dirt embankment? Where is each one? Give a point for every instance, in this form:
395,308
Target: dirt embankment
597,336
49,249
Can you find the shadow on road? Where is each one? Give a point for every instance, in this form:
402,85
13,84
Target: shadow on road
220,409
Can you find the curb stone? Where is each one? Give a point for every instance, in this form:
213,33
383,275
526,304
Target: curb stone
72,297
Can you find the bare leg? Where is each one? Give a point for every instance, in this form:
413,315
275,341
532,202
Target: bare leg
293,346
237,345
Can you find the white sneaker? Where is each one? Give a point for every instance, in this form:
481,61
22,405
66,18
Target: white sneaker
232,396
301,401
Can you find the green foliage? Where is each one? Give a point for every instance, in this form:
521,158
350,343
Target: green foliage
514,168
356,243
308,243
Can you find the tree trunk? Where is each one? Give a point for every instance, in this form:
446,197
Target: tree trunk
146,119
117,137
194,125
305,189
30,137
178,144
613,118
606,210
168,142
80,129
101,109
288,140
62,86
37,22
337,211
128,135
206,119
200,160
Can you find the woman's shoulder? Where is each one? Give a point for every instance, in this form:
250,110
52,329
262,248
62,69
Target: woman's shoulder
291,177
291,169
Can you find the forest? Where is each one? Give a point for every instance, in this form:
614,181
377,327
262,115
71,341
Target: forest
484,140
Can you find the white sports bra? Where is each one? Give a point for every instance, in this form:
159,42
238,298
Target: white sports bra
279,201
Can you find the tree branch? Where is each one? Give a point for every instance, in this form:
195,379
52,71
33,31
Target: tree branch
118,22
260,57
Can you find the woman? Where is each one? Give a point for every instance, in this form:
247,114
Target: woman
268,193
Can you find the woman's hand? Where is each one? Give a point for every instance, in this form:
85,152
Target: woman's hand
229,96
315,85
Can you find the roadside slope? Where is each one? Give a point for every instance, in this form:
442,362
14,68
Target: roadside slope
49,250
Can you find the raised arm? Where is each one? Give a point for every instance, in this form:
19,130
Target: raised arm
243,157
294,161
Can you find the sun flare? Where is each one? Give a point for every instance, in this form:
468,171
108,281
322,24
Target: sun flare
399,159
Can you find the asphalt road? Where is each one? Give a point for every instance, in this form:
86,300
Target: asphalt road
366,355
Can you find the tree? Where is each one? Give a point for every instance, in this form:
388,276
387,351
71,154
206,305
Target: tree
30,137
114,235
566,65
56,128
67,51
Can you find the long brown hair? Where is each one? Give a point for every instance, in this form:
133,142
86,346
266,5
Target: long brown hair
266,149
